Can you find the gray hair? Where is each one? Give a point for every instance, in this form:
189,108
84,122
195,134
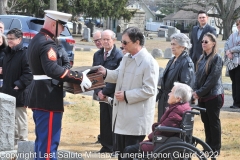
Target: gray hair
182,39
5,44
97,31
182,91
113,35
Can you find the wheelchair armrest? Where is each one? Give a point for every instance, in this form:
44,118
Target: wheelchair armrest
192,112
169,129
199,108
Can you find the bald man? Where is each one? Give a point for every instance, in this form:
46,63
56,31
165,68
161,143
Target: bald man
109,56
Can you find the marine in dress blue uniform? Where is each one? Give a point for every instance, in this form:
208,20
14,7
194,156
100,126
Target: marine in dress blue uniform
45,97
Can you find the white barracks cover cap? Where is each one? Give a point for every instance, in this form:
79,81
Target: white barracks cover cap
58,16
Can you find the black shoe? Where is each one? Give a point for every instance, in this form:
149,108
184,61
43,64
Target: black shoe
234,107
98,139
114,154
105,150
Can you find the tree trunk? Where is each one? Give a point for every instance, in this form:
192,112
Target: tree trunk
220,30
53,5
227,28
3,6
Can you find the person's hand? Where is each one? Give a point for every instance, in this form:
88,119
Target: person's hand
229,54
102,70
110,100
119,95
195,96
0,70
16,87
86,83
101,95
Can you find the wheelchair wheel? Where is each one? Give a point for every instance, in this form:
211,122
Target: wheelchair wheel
201,145
177,151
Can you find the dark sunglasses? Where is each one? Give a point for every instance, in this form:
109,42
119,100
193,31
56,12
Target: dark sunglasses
125,42
206,42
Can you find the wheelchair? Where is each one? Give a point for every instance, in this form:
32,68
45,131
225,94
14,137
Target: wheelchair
183,147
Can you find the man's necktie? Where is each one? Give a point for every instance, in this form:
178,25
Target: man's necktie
105,55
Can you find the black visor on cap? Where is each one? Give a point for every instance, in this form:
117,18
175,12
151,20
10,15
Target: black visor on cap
62,22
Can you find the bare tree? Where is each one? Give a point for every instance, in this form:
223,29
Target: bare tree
3,6
219,24
226,10
53,5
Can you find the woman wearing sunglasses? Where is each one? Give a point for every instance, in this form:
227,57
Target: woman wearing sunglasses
180,68
208,90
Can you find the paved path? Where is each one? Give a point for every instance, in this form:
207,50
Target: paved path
228,101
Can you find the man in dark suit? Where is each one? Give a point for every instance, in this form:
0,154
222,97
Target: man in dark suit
110,57
197,35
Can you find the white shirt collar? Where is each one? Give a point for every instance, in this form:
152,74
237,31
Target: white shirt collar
135,55
109,52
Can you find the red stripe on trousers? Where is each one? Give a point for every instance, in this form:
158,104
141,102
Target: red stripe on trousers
49,135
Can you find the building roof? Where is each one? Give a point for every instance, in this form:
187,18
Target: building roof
169,17
184,15
141,5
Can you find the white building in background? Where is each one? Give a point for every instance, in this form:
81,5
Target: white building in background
144,18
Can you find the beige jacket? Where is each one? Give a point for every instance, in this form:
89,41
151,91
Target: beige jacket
138,77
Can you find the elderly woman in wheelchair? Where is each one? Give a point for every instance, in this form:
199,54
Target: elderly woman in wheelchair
169,135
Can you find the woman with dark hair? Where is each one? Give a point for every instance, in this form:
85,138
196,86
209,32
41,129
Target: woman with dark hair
180,68
208,90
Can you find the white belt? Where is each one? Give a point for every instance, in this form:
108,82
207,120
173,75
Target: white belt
41,77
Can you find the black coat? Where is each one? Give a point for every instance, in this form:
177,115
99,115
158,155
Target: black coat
196,50
181,71
208,85
43,60
112,62
16,72
2,54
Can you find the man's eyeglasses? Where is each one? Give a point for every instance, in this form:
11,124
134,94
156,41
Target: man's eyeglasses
206,42
11,39
125,42
97,40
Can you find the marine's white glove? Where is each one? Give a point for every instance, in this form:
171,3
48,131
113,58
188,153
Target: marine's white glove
110,100
86,83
